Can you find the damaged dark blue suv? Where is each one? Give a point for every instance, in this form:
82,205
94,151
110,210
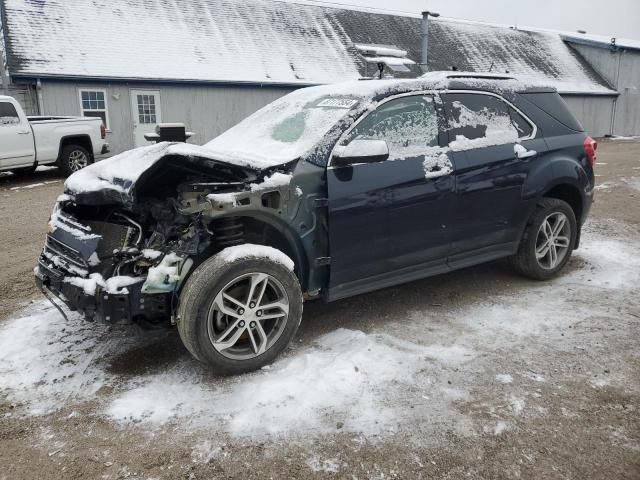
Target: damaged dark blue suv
328,192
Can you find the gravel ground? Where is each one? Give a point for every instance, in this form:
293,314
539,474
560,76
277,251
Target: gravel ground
478,373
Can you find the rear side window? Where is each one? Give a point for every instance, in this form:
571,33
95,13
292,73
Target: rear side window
554,105
478,120
8,114
523,127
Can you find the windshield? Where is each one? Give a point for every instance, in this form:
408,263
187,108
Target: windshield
285,129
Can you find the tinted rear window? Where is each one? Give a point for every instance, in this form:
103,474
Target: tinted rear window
554,105
8,114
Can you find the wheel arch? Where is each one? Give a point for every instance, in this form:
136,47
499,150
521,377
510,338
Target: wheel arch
264,229
83,141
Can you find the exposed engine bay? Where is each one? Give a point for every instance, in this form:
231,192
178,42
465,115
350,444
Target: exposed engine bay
120,256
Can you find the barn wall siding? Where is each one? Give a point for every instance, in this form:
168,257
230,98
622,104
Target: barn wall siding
621,69
594,113
205,110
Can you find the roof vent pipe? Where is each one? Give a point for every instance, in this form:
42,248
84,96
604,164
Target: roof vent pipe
424,35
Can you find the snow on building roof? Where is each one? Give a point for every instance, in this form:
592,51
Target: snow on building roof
602,41
264,42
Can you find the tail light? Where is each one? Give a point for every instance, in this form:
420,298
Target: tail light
590,146
103,132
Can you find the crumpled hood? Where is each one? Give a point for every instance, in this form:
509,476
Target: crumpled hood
113,180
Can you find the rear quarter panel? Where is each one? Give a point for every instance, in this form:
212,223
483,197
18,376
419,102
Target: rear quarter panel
564,163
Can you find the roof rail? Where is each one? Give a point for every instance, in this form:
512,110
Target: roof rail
462,75
487,76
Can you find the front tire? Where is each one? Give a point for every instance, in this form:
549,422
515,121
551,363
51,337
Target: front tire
237,314
73,158
548,240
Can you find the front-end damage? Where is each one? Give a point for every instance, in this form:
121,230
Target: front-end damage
121,252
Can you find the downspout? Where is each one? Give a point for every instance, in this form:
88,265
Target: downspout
39,97
4,81
615,100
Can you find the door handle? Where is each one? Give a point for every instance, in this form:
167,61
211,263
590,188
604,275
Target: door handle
24,132
522,152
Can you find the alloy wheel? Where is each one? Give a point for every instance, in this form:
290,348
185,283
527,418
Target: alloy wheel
77,160
248,316
552,241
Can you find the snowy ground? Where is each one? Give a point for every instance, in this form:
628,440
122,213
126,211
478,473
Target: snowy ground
476,374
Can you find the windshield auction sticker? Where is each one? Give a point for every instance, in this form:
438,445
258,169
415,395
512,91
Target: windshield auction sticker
337,103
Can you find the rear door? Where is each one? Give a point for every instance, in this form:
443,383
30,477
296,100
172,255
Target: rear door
16,138
483,133
388,219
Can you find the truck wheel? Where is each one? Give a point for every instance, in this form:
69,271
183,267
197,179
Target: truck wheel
73,158
237,313
548,240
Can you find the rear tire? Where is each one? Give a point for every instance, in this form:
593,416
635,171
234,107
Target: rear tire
222,324
73,158
551,228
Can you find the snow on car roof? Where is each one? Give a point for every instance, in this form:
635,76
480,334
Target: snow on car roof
264,42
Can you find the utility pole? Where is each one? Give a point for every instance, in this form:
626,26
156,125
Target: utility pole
424,34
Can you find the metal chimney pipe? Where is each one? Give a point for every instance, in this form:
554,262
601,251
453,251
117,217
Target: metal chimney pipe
424,36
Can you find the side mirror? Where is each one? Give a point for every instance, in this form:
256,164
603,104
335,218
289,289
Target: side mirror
361,151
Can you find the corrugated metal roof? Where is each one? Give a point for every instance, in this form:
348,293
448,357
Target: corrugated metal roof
262,41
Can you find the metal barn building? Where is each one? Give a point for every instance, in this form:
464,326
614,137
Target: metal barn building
618,62
210,63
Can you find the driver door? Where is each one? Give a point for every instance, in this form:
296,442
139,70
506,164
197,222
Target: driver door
387,219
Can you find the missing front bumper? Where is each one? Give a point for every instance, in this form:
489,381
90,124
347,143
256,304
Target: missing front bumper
112,308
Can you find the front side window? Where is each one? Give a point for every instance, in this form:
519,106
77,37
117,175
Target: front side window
8,114
409,125
478,120
94,104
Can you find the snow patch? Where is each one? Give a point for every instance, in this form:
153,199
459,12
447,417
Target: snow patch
437,165
205,452
166,272
249,250
346,375
113,286
151,254
47,362
224,198
327,465
276,180
499,128
504,378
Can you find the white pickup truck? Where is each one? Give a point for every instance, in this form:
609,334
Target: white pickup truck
71,143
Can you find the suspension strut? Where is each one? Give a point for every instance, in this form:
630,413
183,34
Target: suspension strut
228,232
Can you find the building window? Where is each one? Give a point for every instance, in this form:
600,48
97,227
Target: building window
146,109
93,103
